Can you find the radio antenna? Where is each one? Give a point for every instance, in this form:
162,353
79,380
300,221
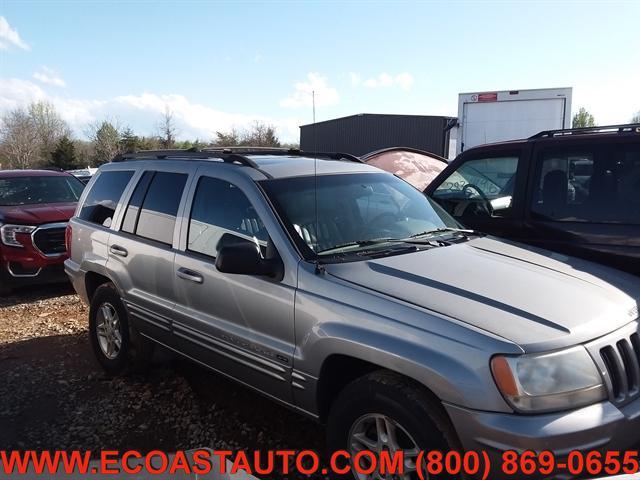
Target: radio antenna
319,268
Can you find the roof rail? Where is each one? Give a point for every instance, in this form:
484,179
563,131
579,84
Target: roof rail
190,153
624,128
229,154
282,151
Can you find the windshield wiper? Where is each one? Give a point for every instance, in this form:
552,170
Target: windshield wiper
360,243
440,230
415,238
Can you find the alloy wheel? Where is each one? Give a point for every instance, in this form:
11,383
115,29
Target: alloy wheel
377,433
108,330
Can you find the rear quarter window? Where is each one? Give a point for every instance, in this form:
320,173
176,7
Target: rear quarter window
102,200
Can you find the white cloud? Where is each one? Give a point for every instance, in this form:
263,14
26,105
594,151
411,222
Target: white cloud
15,93
303,93
142,112
10,37
202,119
403,80
50,77
382,80
355,79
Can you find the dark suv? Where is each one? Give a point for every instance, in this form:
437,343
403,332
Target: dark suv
576,192
35,206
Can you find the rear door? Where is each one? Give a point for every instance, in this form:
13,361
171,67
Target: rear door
584,200
141,249
484,190
98,207
239,325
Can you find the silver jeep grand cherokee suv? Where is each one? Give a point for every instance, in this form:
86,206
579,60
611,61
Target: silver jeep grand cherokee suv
344,293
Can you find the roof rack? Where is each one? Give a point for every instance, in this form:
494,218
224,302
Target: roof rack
190,153
625,128
229,154
296,152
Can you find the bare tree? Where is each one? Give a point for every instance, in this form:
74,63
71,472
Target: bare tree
167,129
636,117
19,141
228,139
259,134
85,152
49,125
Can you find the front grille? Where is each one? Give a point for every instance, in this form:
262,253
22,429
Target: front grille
50,241
622,363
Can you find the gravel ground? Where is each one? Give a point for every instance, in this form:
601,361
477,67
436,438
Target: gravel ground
54,396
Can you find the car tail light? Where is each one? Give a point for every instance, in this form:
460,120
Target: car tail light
68,235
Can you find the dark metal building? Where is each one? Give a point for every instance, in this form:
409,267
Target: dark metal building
366,132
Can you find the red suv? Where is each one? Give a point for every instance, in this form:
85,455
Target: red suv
35,206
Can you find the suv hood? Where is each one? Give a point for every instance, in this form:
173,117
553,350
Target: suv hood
535,298
37,214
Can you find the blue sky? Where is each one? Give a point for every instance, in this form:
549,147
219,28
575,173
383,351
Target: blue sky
222,64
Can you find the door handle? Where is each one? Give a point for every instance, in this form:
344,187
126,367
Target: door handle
118,250
190,275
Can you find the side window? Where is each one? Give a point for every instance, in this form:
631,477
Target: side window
562,184
154,205
220,207
627,169
588,185
101,202
483,185
133,210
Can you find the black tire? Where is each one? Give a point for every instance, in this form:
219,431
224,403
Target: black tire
5,286
399,398
135,351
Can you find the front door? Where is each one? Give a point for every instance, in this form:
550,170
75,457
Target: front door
239,325
482,194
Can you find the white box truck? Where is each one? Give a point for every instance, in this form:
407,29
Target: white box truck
487,117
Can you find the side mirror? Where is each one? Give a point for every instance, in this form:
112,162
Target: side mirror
241,256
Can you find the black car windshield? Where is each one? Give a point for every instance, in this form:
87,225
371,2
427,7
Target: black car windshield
39,189
354,211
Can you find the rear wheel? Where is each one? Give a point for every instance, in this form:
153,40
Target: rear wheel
117,346
384,411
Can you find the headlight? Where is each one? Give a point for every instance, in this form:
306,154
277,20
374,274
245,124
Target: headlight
8,234
549,381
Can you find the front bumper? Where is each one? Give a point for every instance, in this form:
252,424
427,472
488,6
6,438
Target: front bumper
25,266
602,426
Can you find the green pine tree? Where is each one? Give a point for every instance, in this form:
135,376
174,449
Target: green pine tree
64,154
129,141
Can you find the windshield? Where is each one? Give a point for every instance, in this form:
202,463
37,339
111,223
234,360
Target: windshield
354,210
37,190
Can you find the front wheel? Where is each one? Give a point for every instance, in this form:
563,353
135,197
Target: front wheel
386,412
116,345
5,286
